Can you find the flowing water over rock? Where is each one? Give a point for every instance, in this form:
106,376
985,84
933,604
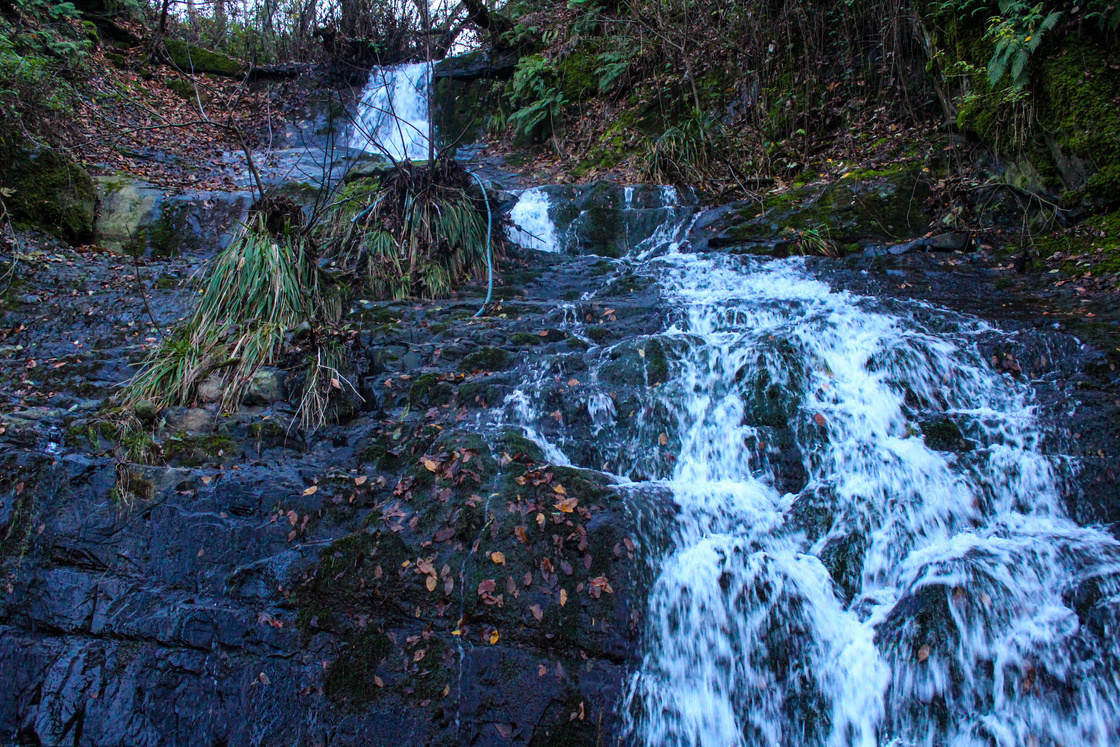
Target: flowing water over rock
393,116
661,496
837,574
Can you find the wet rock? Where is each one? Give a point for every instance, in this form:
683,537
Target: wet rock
49,192
138,218
267,386
191,420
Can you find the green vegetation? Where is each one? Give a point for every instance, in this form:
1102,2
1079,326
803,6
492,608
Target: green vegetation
258,288
420,231
193,59
44,189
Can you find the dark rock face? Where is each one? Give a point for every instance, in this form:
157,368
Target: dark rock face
410,576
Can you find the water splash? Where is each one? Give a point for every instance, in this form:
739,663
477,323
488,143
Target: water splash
393,115
834,576
532,227
901,595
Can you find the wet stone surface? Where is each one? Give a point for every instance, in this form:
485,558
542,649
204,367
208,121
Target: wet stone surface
423,572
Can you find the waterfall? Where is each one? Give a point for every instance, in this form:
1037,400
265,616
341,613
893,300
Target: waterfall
835,576
392,118
532,228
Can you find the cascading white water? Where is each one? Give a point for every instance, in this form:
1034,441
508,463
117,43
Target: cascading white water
392,119
901,595
961,565
532,228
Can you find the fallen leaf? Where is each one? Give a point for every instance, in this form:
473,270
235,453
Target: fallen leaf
494,637
923,653
542,670
312,490
540,519
444,534
377,681
537,612
486,587
430,465
360,480
419,654
430,582
519,532
819,419
498,558
505,731
573,382
568,505
563,597
663,439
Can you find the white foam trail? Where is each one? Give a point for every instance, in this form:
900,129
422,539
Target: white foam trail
961,565
532,227
393,114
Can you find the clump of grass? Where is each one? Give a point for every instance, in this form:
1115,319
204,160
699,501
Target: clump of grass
325,385
690,152
263,284
813,242
420,233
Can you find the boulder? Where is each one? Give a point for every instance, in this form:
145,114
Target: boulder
48,191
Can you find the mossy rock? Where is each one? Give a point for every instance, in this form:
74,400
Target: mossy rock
189,58
487,359
430,391
888,203
192,451
517,445
49,192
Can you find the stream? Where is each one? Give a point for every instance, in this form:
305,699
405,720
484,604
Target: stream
659,495
901,595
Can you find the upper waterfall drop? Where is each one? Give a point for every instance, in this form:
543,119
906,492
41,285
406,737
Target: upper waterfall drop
392,118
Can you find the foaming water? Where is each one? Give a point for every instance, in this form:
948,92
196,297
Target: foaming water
902,595
532,227
837,575
393,116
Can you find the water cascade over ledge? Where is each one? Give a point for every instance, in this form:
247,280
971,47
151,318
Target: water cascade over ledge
392,118
835,575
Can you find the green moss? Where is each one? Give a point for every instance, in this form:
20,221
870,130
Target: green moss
515,443
48,192
194,451
525,339
429,391
486,359
190,58
1077,102
578,73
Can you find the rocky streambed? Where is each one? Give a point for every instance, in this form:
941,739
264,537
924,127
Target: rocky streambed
465,557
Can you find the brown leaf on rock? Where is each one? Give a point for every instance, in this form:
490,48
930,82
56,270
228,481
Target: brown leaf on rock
820,420
537,612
